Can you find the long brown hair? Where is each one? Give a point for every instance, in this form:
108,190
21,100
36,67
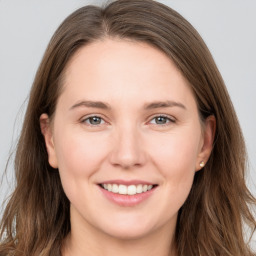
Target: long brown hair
36,219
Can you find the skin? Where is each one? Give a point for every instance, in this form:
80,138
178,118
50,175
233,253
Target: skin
127,143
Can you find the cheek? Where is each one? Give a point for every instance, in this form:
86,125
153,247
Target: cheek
79,157
176,151
79,154
176,157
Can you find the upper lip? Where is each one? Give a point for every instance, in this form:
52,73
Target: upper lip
127,182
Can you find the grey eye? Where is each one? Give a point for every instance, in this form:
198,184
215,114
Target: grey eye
93,120
160,120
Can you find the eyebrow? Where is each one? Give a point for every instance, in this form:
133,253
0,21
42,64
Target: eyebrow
91,104
152,105
163,104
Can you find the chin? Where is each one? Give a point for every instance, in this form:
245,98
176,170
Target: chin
129,228
129,233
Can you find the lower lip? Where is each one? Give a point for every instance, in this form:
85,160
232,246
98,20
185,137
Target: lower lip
127,200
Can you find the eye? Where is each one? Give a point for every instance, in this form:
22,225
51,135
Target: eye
93,120
161,120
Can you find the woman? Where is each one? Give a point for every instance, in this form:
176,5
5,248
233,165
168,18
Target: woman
130,143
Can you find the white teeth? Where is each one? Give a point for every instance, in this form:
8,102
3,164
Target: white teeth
115,188
109,187
150,187
127,190
122,189
131,190
139,189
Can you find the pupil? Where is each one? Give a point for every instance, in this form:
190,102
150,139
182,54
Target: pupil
161,120
95,120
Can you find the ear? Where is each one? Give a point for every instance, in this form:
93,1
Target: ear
46,130
206,146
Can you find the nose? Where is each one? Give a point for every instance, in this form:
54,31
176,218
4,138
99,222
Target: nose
127,149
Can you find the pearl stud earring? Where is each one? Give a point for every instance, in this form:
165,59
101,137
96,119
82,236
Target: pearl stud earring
202,164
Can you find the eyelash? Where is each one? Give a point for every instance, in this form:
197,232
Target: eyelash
169,120
90,117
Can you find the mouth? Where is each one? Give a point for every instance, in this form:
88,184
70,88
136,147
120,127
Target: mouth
128,193
130,190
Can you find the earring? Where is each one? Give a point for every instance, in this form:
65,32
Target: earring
202,164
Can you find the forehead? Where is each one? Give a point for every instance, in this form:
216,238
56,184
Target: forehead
113,55
122,69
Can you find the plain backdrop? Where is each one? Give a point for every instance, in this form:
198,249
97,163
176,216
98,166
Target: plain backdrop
227,26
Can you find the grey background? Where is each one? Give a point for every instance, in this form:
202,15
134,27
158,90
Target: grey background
227,26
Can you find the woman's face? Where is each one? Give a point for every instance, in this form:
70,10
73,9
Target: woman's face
126,120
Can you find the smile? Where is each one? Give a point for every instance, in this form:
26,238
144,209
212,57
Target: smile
127,190
127,193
